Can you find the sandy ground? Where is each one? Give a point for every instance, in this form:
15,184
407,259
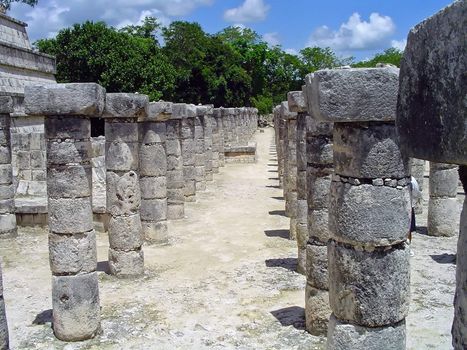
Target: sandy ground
225,281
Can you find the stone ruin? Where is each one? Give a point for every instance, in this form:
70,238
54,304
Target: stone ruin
343,145
347,146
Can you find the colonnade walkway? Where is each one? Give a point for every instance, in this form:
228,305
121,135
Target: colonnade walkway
226,279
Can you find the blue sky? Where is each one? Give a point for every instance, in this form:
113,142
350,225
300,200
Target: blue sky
351,27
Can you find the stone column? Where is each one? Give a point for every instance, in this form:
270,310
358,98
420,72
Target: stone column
431,117
206,112
188,113
4,336
443,208
369,214
7,190
200,156
72,241
122,111
216,140
281,147
297,105
217,117
319,170
417,167
175,179
153,172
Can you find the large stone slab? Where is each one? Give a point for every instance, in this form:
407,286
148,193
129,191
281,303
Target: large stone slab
64,99
431,111
351,95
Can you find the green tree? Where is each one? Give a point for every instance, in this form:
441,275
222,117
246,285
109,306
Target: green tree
121,62
315,58
391,55
148,29
6,4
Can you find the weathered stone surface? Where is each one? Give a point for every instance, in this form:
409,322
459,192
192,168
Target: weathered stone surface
296,101
368,150
443,182
319,150
68,127
346,336
8,225
152,133
70,215
159,111
6,174
369,288
126,232
6,105
154,209
7,206
318,191
123,193
70,181
64,99
121,132
317,265
443,214
125,264
153,187
317,310
121,156
153,160
76,310
318,227
124,105
75,254
175,211
356,94
68,151
459,326
431,106
369,215
4,336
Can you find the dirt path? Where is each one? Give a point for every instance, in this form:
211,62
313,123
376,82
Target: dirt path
225,281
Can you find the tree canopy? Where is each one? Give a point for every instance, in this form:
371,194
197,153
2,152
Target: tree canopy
233,67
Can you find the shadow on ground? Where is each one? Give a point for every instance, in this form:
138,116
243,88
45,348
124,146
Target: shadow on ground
444,258
278,198
285,263
43,317
278,233
103,266
291,316
277,212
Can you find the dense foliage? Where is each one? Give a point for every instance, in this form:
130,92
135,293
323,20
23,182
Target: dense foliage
234,67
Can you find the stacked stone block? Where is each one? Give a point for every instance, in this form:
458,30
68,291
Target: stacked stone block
188,113
4,336
175,179
122,111
319,170
443,208
281,128
72,240
153,172
200,155
218,134
297,105
290,166
216,141
369,214
206,112
418,172
431,117
7,190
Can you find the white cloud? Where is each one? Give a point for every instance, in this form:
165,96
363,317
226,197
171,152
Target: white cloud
399,44
291,51
249,11
49,16
356,34
272,38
